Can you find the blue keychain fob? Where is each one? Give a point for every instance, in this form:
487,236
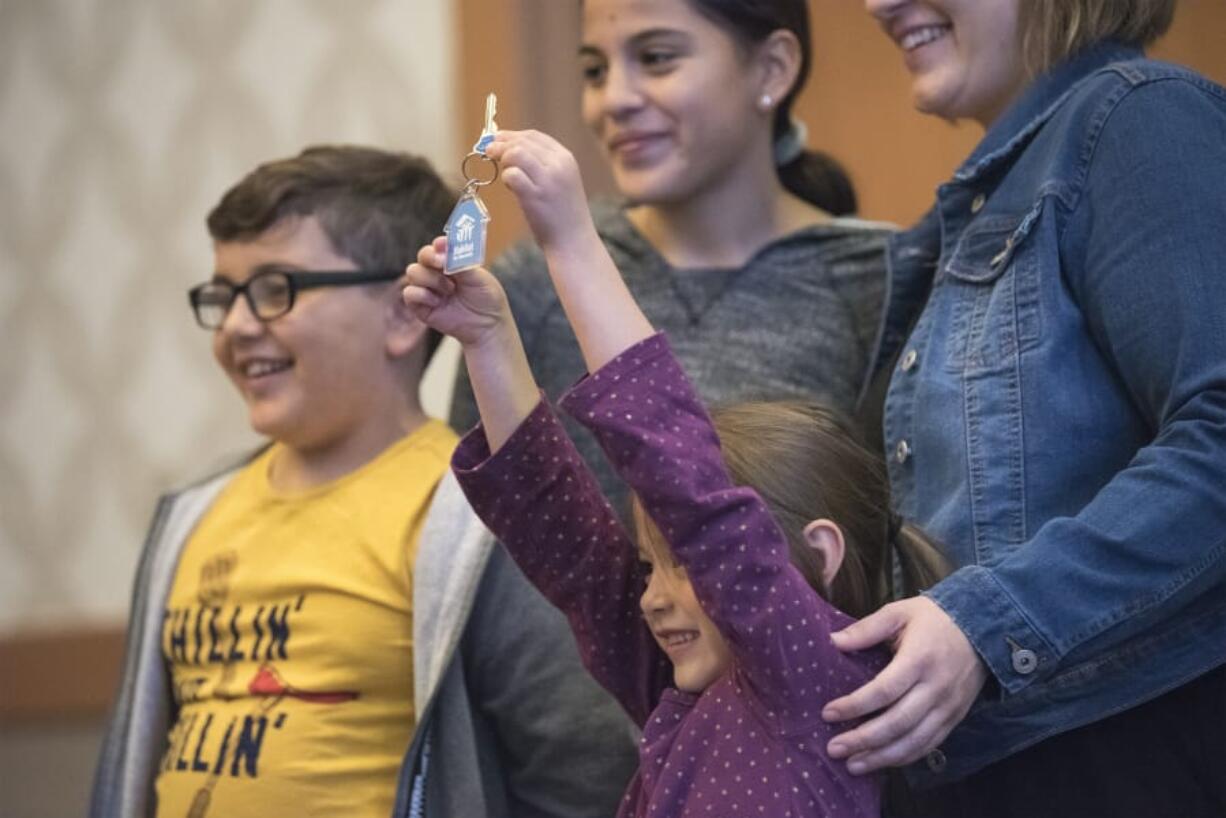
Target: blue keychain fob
466,226
466,232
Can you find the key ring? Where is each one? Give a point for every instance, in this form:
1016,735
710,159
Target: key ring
474,181
466,226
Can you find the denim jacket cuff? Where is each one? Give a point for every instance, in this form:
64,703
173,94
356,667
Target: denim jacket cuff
1012,649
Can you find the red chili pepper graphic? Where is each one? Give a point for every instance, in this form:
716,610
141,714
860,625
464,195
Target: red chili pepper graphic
268,682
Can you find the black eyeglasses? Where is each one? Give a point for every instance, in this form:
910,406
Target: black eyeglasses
271,293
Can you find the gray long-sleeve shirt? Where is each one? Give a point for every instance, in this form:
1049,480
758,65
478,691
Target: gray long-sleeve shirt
797,321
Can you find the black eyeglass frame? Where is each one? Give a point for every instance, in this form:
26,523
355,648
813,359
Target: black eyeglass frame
296,280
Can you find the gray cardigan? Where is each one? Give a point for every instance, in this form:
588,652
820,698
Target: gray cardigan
510,722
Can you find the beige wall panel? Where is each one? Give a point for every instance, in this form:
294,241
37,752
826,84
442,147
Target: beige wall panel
121,123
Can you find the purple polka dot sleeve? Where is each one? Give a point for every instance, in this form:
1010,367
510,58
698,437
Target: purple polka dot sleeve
544,505
653,428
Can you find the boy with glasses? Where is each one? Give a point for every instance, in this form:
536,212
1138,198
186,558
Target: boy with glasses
326,629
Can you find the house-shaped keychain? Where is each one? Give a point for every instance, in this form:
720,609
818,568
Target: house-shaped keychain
465,227
466,231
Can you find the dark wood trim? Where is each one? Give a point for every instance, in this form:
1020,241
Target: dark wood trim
526,51
59,676
490,58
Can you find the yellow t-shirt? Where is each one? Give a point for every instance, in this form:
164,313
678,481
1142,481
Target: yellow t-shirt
288,634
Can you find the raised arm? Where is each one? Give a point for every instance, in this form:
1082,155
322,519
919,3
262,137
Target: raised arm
545,179
531,488
543,504
472,308
654,429
679,475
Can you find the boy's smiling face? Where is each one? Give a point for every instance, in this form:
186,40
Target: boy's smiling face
315,377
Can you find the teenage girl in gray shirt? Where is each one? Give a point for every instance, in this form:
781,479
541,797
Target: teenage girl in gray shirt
732,238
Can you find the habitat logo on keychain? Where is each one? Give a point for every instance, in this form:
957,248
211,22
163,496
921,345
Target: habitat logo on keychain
466,227
466,232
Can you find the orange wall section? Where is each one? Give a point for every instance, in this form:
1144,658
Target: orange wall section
856,106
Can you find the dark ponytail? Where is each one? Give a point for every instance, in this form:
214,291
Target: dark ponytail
821,181
812,175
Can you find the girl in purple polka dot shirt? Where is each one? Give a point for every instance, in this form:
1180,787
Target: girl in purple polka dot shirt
714,630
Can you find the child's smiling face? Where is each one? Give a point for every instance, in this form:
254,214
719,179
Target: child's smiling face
697,649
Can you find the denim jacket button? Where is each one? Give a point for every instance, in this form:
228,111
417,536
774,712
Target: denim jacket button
1025,661
909,359
936,761
978,202
902,452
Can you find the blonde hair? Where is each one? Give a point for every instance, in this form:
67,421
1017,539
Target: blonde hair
1053,30
804,461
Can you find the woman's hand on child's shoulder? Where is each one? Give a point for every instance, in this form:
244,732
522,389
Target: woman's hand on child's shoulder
917,699
469,306
545,179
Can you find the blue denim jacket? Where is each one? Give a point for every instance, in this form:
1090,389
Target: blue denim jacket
1057,409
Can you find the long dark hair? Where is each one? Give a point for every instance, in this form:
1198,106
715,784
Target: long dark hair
814,176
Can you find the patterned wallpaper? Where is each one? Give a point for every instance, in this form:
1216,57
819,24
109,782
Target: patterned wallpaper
121,123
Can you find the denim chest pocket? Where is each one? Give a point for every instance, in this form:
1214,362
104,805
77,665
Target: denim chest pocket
990,280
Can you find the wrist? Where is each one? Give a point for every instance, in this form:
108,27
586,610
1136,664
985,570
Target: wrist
502,381
491,340
576,243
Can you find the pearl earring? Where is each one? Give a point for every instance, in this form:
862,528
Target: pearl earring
765,102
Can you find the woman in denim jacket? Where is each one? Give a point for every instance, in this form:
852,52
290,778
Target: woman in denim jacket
1056,344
